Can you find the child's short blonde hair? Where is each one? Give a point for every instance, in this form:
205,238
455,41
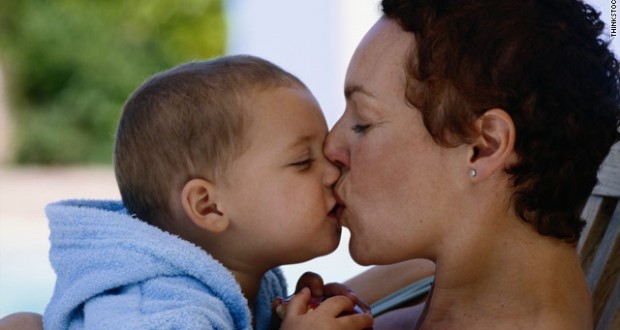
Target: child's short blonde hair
185,123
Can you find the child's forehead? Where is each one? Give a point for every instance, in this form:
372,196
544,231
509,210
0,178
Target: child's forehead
283,112
273,88
271,101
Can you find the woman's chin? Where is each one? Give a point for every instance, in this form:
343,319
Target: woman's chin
360,256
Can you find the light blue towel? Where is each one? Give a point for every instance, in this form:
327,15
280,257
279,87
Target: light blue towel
117,272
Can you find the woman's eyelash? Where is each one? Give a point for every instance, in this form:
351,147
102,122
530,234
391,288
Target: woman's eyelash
359,128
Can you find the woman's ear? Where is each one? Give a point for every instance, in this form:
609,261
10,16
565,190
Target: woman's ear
494,148
199,203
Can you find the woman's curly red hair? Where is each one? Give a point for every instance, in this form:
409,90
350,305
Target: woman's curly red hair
545,64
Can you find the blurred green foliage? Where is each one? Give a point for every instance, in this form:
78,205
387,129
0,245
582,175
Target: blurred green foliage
70,65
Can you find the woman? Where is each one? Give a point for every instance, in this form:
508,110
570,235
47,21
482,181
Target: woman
472,137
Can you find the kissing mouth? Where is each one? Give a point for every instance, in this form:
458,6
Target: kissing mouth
339,200
339,208
333,213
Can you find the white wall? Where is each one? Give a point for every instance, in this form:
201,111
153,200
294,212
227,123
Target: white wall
313,39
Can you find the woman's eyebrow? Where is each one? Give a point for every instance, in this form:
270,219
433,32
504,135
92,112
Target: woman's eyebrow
349,90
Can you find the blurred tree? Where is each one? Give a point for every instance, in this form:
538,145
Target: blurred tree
70,65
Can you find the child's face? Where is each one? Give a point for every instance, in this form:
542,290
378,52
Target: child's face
278,193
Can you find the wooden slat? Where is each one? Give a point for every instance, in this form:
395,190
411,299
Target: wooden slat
589,213
603,271
610,316
609,174
406,296
597,213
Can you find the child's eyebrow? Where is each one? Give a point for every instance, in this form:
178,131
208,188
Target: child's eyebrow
301,140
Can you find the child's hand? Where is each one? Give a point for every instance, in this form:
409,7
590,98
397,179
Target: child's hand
320,291
339,289
337,312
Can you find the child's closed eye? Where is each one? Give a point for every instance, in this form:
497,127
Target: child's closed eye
306,163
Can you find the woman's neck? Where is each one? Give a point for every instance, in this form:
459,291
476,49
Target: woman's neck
507,277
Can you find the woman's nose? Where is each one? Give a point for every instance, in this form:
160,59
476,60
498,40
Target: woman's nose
335,148
331,174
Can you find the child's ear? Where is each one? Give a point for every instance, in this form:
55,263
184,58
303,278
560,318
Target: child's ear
199,203
493,149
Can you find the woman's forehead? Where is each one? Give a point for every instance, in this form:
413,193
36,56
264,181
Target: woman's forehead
378,64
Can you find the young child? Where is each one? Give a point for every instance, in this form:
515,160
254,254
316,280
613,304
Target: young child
222,176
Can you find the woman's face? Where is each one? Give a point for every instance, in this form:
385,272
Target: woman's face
397,184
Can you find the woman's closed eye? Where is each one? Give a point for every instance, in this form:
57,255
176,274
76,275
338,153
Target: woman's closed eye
360,128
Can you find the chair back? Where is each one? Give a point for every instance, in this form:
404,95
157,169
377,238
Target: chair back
599,247
599,250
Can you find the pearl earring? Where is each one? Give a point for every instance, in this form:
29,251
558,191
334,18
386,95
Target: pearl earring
473,172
